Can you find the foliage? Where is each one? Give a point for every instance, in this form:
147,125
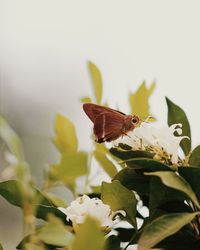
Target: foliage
138,180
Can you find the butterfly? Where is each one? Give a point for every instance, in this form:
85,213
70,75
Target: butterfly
109,124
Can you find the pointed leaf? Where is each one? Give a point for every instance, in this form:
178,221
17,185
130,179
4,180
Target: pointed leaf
55,233
195,157
89,236
173,180
177,115
96,81
139,101
120,198
65,138
163,227
11,139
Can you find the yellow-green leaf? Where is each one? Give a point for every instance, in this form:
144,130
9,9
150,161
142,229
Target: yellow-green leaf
55,233
11,139
96,81
120,198
65,138
105,163
89,236
173,180
86,99
139,101
163,227
72,165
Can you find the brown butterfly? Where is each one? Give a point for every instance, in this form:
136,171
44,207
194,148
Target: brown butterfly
109,124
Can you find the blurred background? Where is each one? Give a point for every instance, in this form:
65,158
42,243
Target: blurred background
44,49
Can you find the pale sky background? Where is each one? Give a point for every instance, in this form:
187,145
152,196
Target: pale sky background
44,49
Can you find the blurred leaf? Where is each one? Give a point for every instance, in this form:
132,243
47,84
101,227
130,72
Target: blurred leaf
130,154
1,248
57,201
175,181
139,101
163,227
89,236
195,157
11,139
12,191
65,139
112,243
134,181
96,189
120,198
55,233
192,176
72,165
105,163
96,80
86,99
177,115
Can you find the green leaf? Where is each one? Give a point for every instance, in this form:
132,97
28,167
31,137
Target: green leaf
113,242
72,165
171,179
65,139
139,101
177,115
105,163
89,236
192,176
120,198
1,248
195,157
86,99
165,199
55,233
163,227
130,154
96,81
147,163
138,182
12,191
11,139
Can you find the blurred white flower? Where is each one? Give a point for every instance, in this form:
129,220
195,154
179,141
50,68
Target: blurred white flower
85,206
160,141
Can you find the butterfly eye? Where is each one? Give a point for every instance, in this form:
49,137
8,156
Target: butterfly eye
135,120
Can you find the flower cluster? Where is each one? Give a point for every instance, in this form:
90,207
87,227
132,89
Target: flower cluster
161,141
85,206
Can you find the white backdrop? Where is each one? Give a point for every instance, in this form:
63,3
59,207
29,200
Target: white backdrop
45,45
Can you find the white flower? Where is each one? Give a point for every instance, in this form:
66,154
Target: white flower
84,206
160,141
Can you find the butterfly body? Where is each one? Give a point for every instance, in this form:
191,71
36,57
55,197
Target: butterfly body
109,124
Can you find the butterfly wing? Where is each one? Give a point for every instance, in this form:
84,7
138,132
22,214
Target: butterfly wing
93,110
108,126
